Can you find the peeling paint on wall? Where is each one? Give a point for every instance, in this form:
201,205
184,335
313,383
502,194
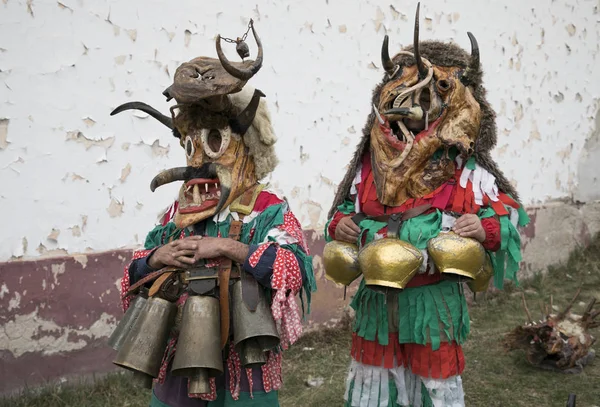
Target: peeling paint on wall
4,133
91,57
31,333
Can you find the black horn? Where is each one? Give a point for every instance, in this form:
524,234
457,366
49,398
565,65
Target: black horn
468,76
386,61
167,121
241,123
420,65
242,73
181,174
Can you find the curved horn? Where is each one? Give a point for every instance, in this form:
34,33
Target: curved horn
180,174
420,65
242,122
167,121
473,67
242,73
386,61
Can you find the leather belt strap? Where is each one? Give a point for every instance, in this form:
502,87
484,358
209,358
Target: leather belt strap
149,277
224,275
158,283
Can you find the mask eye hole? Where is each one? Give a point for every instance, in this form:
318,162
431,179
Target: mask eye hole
215,142
189,147
443,85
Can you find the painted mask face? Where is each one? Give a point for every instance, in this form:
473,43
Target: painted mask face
211,125
219,166
426,115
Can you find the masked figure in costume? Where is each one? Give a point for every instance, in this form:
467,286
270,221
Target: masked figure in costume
422,209
210,303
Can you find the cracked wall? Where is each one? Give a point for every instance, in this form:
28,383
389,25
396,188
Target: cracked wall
75,180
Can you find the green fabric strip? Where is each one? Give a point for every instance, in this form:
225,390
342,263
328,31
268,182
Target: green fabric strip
224,399
419,230
470,164
424,313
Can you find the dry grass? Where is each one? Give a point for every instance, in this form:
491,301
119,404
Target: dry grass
492,377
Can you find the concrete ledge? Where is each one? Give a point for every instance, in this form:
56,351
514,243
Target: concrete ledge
56,313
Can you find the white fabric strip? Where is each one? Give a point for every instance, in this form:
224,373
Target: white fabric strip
445,393
371,387
484,183
353,190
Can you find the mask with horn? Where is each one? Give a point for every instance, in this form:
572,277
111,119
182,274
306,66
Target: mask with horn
224,128
425,112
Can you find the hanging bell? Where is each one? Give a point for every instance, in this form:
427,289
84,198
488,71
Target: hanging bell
143,349
126,324
254,330
198,354
242,48
457,257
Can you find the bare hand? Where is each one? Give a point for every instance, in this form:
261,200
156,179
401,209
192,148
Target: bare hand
469,226
208,247
346,230
178,253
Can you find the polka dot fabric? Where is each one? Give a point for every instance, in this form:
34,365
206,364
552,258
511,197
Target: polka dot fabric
125,284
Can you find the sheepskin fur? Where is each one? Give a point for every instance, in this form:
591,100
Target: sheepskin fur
260,137
440,54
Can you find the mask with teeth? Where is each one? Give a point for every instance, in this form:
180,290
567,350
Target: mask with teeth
224,128
425,114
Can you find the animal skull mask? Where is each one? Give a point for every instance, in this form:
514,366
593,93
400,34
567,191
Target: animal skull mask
425,115
224,129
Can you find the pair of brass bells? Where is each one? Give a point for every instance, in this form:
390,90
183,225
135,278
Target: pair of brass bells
392,263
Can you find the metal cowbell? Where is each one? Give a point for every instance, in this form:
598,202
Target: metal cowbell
254,331
198,354
128,321
143,349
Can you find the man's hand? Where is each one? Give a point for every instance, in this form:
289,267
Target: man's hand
469,226
346,230
178,253
208,247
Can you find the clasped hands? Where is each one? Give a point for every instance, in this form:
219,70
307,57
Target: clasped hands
186,252
468,225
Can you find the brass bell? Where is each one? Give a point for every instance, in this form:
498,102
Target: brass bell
254,332
198,354
483,277
455,255
251,353
128,321
143,349
340,260
389,263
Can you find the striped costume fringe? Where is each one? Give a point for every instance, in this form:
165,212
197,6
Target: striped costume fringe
372,386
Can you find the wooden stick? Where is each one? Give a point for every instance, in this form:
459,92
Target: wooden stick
588,309
525,307
544,314
564,313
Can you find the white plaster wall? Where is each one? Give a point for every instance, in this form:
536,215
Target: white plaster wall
72,178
